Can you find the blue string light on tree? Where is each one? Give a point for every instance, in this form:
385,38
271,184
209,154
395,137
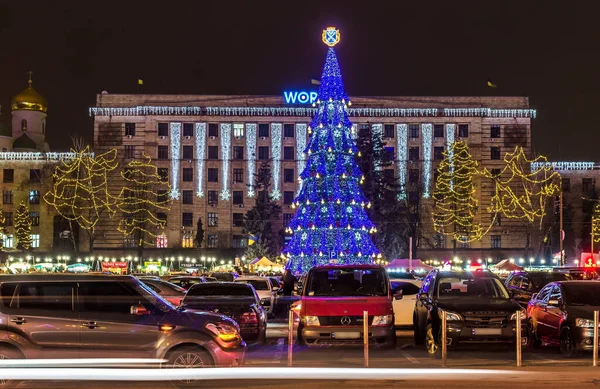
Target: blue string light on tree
331,221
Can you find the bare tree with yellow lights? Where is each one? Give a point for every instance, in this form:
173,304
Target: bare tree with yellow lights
454,195
80,190
23,227
143,197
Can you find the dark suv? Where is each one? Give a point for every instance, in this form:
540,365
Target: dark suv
522,285
477,306
103,316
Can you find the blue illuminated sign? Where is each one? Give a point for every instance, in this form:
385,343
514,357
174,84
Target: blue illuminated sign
300,97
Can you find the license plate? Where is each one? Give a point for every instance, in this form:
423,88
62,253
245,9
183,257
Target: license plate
487,331
346,335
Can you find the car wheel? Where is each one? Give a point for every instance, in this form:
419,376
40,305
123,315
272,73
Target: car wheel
567,343
534,340
189,358
419,339
431,344
8,353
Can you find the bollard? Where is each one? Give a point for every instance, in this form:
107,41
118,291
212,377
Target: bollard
595,357
366,336
518,342
290,337
444,340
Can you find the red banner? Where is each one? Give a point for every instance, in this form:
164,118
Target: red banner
115,267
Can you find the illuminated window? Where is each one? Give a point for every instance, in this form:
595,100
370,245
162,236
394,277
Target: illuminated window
496,241
213,219
35,240
161,241
163,129
9,241
238,130
187,240
35,218
211,241
128,241
439,241
34,197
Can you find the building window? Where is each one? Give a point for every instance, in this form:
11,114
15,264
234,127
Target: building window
161,241
288,130
35,240
35,218
288,197
8,176
263,130
213,197
566,186
188,129
163,152
413,154
213,219
438,153
8,241
263,152
413,197
496,172
163,173
8,219
496,219
587,185
238,220
239,241
24,125
439,241
7,196
129,129
162,196
495,131
187,219
187,240
129,151
413,176
163,129
211,241
213,130
35,175
463,130
213,152
413,130
496,241
388,175
129,241
495,153
388,130
238,197
213,174
188,152
34,197
288,153
288,175
238,176
188,174
463,245
238,152
187,197
438,130
238,130
287,218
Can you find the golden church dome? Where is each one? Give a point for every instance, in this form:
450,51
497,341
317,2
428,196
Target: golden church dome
28,99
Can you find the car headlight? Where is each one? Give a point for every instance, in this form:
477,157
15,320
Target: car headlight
586,323
310,321
450,316
223,331
265,301
522,315
382,320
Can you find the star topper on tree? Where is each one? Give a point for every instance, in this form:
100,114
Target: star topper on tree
331,222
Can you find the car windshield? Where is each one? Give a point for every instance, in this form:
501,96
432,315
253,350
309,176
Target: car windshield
347,282
473,287
542,279
584,294
258,284
220,290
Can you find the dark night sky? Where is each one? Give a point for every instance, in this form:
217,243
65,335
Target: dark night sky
533,48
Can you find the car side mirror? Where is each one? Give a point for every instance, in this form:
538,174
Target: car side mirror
139,310
398,295
553,302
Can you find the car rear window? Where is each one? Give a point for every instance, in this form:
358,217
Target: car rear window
220,290
258,284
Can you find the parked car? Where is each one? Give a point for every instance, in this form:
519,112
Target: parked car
104,316
563,314
234,299
478,310
224,277
334,299
404,308
265,291
186,282
579,273
524,284
210,279
276,283
170,292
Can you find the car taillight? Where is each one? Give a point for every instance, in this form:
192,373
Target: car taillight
249,318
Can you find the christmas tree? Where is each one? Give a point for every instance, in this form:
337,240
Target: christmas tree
23,227
331,223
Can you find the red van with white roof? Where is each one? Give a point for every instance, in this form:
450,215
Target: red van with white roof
334,298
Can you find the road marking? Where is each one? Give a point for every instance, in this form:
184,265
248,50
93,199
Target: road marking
409,357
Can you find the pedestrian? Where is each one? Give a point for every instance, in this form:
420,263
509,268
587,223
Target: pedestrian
288,283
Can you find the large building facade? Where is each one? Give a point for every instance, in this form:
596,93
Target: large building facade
209,147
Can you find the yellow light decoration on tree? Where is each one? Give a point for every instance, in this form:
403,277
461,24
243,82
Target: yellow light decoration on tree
80,191
596,223
454,195
23,227
521,193
142,198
